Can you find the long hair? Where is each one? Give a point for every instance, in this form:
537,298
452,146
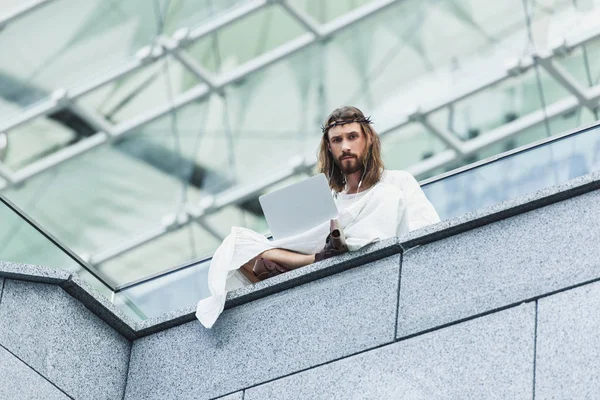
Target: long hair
371,157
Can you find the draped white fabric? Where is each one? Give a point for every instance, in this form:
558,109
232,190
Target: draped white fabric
393,207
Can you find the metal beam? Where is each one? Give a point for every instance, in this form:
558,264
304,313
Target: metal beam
447,137
6,174
143,57
172,46
239,12
50,105
567,80
304,19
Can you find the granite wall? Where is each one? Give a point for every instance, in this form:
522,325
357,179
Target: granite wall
52,346
497,304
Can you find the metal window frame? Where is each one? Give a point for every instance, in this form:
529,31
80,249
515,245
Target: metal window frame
176,45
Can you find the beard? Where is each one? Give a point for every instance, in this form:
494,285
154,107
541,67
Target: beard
350,166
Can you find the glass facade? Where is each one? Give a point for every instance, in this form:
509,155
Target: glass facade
137,133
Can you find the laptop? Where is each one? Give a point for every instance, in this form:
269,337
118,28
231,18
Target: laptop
299,207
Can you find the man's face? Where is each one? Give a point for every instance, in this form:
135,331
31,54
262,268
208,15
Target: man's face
347,144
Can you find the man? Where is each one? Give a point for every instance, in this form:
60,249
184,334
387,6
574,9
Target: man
373,204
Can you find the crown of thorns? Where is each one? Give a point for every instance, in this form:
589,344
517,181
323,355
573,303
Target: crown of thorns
366,120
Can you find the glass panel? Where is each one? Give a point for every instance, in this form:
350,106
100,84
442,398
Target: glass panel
583,63
100,199
516,175
174,248
409,145
85,39
245,39
170,292
188,13
146,89
324,11
21,242
500,104
553,20
411,62
32,141
247,215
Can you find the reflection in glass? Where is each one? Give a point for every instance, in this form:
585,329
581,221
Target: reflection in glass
99,199
32,141
21,242
180,289
516,175
174,248
246,39
325,11
148,88
409,145
500,104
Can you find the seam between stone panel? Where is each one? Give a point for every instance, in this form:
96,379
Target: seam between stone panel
127,370
472,317
398,295
502,308
306,369
535,333
2,290
34,370
462,320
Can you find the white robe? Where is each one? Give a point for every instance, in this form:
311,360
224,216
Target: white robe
394,206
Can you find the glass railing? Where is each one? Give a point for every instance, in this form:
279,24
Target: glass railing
503,177
515,173
23,241
509,175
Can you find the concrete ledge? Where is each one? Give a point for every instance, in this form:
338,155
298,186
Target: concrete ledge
131,330
77,288
323,269
33,273
101,306
385,248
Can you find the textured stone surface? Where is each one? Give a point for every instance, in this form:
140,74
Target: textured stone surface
165,321
62,340
18,381
486,358
500,264
331,266
99,305
568,345
33,273
292,330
